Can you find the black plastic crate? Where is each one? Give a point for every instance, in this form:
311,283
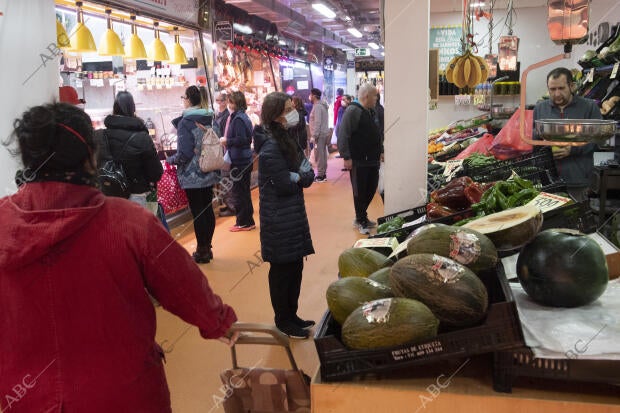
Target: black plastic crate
500,330
402,233
408,215
577,216
509,365
538,167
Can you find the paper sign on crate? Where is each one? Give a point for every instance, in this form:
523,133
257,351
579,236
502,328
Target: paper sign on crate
546,202
383,245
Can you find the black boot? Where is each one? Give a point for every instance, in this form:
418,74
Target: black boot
203,255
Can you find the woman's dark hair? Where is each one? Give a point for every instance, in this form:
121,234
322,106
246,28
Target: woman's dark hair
124,105
238,98
47,138
204,97
272,109
298,103
193,94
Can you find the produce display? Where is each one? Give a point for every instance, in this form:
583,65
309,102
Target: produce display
465,246
454,294
562,268
509,229
388,322
391,225
346,294
458,195
478,160
381,276
360,262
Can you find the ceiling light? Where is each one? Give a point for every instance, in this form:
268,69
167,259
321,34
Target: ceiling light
178,53
478,4
355,32
81,39
158,50
324,10
134,47
110,44
62,39
382,53
242,28
347,18
373,45
282,42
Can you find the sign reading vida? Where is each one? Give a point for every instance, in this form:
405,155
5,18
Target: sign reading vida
362,52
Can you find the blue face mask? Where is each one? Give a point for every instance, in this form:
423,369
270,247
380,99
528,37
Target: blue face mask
292,118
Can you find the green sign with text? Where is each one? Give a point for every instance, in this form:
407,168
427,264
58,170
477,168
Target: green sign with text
362,52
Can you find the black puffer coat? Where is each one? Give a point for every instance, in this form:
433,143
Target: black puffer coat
139,160
284,229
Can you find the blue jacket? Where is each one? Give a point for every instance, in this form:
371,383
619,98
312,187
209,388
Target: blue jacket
189,140
239,138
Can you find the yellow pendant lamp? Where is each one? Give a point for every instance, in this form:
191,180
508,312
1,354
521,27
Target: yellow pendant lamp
158,51
178,53
62,39
110,44
135,47
81,38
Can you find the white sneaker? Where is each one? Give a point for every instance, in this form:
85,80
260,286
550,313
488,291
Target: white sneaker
363,229
369,224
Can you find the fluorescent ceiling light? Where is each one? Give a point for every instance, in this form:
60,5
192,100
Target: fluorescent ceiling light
355,32
324,10
281,42
382,53
242,28
474,5
373,45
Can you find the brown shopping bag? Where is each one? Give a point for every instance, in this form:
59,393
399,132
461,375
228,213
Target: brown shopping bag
258,389
508,144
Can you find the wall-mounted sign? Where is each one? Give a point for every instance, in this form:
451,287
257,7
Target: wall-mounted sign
179,10
448,40
328,63
223,31
362,52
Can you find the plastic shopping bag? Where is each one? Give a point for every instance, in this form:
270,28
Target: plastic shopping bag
508,143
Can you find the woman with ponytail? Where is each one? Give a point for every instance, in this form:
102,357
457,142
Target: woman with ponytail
76,271
283,172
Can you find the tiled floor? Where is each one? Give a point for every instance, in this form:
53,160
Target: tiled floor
238,275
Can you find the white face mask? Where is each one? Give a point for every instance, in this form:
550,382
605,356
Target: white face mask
292,118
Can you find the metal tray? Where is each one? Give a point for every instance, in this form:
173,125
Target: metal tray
576,130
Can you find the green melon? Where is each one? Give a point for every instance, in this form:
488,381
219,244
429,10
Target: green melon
360,262
465,246
346,294
452,291
388,322
381,276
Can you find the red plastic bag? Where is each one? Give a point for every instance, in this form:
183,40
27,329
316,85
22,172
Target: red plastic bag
508,143
482,146
169,193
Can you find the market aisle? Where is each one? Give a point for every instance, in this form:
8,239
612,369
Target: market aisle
239,276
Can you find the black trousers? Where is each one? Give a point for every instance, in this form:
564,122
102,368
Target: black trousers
284,289
242,197
202,212
364,181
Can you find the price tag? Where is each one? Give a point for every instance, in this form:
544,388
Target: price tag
590,76
452,166
614,71
478,99
402,247
461,100
420,220
546,202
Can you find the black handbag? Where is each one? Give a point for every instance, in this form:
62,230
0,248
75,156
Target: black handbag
112,177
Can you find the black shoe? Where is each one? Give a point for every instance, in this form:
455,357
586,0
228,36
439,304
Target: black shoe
304,324
293,331
202,256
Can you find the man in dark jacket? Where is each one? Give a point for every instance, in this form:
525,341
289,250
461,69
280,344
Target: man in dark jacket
359,143
221,120
574,163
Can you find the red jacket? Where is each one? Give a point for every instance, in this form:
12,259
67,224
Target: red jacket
77,326
337,105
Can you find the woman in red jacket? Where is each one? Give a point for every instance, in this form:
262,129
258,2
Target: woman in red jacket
78,327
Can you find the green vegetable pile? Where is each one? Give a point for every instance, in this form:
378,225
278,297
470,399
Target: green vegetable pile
503,195
478,160
391,225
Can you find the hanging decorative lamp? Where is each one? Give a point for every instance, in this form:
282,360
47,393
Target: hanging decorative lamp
158,51
135,47
62,39
81,38
110,44
178,53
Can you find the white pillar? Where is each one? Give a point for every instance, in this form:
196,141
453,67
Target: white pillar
29,71
406,97
351,79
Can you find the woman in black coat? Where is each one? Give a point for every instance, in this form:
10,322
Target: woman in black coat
283,172
128,140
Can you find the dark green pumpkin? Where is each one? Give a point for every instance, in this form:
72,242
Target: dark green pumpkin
388,322
563,268
346,294
360,262
452,291
381,276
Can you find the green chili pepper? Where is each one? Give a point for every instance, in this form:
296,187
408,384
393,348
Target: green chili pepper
502,201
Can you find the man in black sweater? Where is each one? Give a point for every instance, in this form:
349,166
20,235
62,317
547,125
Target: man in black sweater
361,147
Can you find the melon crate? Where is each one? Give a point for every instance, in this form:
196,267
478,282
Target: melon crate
500,330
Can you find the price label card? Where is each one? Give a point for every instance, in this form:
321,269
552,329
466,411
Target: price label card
461,100
478,99
590,77
402,247
546,202
452,166
614,71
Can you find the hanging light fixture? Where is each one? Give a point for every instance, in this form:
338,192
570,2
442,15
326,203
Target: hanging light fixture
62,39
178,53
158,51
135,47
110,44
82,39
